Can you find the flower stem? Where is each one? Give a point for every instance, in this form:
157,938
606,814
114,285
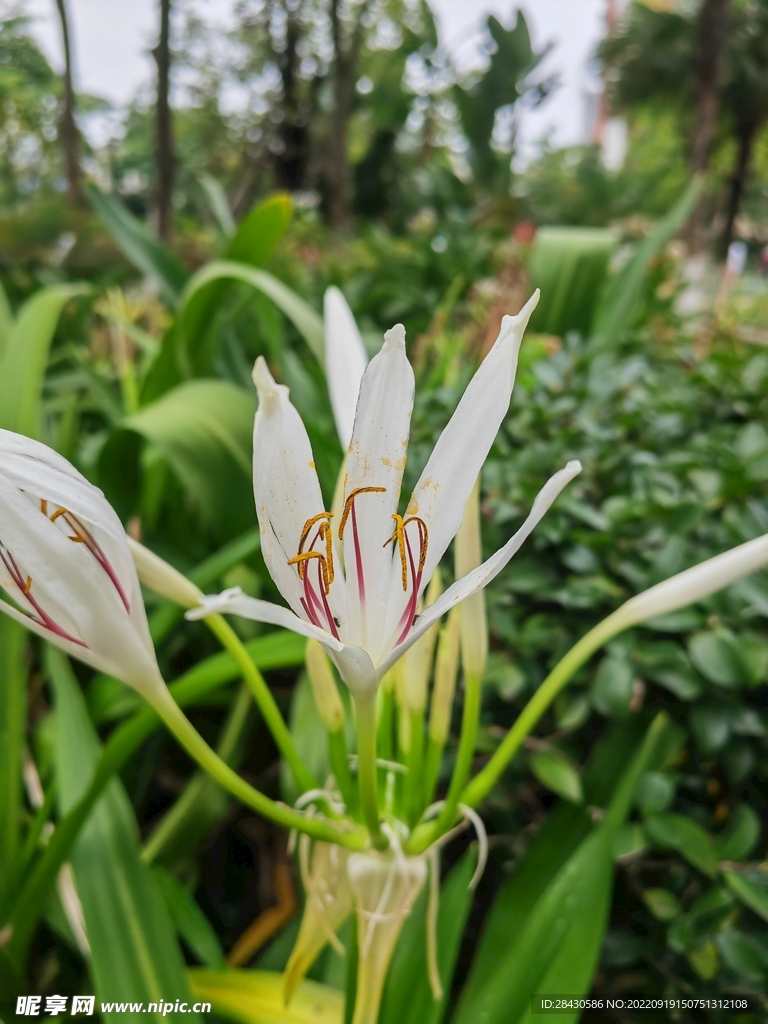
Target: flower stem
339,758
414,788
485,780
469,722
365,706
209,760
229,639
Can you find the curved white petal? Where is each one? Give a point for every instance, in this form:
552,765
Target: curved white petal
235,602
441,494
377,457
482,576
286,488
70,589
345,362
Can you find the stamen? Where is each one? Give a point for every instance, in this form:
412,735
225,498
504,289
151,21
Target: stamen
309,524
306,556
400,538
25,586
350,501
82,535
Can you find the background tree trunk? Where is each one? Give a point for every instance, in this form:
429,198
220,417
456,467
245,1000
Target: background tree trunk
68,133
711,42
346,54
165,160
746,138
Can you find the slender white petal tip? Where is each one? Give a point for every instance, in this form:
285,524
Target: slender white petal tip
213,604
395,337
266,386
517,324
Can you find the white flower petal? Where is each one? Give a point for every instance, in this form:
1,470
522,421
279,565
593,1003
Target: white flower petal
482,576
345,362
441,494
286,488
235,602
377,457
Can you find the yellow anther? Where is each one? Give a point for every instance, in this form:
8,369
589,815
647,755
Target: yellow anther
350,500
309,524
399,536
27,585
326,560
44,506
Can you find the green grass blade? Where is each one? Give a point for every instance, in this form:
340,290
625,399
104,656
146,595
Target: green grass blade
134,952
25,357
13,719
139,247
191,923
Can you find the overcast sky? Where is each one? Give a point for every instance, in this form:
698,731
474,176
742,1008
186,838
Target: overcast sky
112,39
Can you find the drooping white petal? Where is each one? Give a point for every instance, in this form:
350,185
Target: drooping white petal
482,576
441,494
70,596
377,456
345,362
235,602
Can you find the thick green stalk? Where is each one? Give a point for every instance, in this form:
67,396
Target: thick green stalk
414,788
386,722
200,786
265,702
121,745
339,758
365,706
470,720
485,780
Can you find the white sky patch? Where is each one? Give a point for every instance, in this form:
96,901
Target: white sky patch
113,39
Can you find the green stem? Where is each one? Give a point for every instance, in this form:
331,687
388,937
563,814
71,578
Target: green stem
432,763
218,625
485,780
470,720
208,759
414,788
339,758
198,789
365,706
386,723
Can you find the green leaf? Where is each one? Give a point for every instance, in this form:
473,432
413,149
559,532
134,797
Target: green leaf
556,772
191,923
13,726
407,996
203,429
717,658
711,727
309,736
612,689
655,792
745,955
139,247
630,839
260,231
6,321
256,997
751,889
308,323
663,904
134,953
740,836
569,265
621,300
25,357
677,832
218,204
704,960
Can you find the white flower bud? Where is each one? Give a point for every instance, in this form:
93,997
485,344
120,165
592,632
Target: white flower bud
324,689
158,575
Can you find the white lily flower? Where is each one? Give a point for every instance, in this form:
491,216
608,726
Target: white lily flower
366,615
345,362
65,564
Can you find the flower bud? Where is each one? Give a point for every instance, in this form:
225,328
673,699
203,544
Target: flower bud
468,554
324,689
694,584
385,886
446,671
158,575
